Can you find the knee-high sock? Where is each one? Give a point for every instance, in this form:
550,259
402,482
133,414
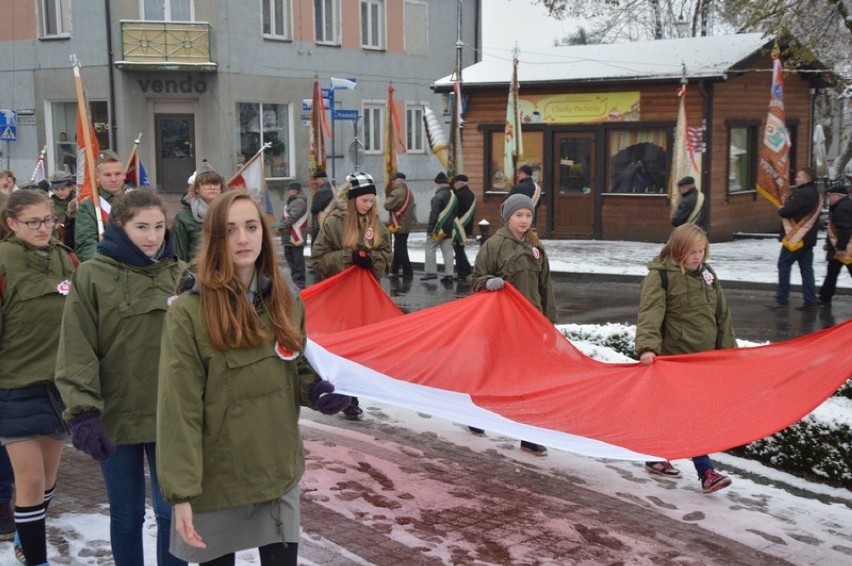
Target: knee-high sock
48,495
30,524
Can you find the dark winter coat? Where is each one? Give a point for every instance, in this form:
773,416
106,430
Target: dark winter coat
439,202
395,199
33,290
228,432
526,267
526,186
689,314
840,217
110,339
467,200
186,233
685,206
802,202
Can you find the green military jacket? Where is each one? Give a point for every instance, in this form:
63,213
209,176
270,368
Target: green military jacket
395,199
686,315
110,344
186,234
227,427
33,290
328,256
524,266
86,226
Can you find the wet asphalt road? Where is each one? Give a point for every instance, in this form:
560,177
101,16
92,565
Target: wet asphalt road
598,299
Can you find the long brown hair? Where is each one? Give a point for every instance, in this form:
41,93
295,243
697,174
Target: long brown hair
355,224
18,201
231,318
680,241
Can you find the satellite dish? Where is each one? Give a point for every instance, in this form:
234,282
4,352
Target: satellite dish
356,153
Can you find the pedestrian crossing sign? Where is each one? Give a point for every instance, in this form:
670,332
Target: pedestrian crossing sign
8,126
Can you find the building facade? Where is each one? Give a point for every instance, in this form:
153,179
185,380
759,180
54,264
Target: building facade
598,131
216,79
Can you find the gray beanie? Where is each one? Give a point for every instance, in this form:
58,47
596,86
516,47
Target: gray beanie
515,203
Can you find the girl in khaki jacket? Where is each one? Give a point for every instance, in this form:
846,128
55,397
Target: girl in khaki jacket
233,376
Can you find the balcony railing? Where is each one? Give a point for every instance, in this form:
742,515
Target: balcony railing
160,46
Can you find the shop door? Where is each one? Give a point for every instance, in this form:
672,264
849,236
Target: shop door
574,185
175,151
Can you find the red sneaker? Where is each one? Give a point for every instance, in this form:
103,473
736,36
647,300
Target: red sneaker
663,468
714,481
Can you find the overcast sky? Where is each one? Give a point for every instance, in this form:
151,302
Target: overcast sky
507,21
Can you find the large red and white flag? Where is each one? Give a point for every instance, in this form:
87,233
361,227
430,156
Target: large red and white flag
773,170
534,384
87,151
251,179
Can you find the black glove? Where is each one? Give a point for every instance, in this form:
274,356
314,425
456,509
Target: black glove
326,401
362,258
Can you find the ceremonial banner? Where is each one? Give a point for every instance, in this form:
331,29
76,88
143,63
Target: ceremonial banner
393,139
513,143
39,173
251,179
87,152
684,162
318,125
773,171
134,173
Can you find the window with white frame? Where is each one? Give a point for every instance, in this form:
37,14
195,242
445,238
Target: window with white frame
414,129
62,129
56,17
260,123
167,10
276,19
327,21
373,24
373,132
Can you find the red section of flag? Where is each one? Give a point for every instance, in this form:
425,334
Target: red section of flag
534,377
85,156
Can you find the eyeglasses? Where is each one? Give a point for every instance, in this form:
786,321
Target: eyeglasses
48,222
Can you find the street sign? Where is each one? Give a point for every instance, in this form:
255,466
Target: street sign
345,114
307,103
8,126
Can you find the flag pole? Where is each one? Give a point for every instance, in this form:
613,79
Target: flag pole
39,161
87,140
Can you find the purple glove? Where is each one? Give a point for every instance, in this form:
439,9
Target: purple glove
88,435
324,398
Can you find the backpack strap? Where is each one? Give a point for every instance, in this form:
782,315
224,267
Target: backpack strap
664,280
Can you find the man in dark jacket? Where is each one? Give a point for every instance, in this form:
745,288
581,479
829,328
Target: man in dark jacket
837,245
800,216
463,225
690,207
294,230
322,201
527,186
439,230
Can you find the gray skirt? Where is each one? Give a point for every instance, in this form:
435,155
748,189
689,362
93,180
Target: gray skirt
240,528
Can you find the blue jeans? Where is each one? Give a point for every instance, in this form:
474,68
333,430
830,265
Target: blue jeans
124,476
6,477
702,464
805,258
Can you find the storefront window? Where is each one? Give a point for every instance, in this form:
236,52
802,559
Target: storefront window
637,161
533,156
64,132
265,123
742,157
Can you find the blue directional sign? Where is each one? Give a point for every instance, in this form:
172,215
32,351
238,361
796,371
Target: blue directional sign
345,114
8,126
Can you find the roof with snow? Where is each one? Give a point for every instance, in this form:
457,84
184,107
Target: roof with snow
658,60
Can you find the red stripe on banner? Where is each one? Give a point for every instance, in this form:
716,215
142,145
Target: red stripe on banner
511,361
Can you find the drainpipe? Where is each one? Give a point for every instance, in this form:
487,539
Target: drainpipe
706,90
111,73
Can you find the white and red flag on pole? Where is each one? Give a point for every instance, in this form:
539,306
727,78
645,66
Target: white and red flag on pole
39,174
251,179
513,145
534,384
